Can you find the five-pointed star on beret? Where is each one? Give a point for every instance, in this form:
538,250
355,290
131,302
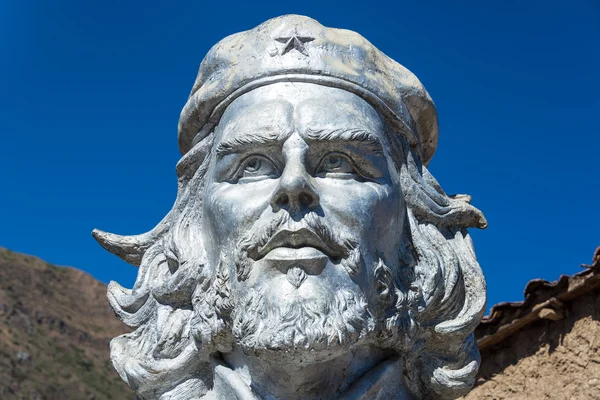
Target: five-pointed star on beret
294,42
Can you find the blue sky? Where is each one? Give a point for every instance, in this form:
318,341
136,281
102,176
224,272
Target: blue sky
90,95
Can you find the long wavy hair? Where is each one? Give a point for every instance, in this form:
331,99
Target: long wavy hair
178,301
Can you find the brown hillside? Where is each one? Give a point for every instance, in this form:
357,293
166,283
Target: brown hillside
55,328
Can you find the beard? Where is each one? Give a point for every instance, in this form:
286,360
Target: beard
316,314
263,321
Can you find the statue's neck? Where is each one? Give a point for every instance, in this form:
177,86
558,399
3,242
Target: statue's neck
276,375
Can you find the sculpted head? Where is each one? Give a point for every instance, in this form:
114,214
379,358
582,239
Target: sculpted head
307,228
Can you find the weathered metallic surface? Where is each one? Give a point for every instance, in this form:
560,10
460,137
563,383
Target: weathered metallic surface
310,253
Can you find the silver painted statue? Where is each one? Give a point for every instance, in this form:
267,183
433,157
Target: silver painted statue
310,254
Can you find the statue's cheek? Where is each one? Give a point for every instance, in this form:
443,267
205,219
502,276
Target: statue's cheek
359,196
239,203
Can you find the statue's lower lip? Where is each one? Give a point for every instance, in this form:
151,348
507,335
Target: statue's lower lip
291,254
310,259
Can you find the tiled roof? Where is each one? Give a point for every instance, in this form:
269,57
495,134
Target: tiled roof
543,300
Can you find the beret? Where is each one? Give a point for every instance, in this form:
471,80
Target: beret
294,48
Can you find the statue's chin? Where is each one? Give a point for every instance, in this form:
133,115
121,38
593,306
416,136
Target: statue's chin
305,319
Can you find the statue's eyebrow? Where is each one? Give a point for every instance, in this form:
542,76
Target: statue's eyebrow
362,138
242,141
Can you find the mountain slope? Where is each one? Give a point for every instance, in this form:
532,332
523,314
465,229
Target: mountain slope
55,328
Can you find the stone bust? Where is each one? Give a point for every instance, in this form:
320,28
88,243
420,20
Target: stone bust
309,254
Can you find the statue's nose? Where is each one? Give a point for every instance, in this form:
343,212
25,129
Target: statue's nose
295,190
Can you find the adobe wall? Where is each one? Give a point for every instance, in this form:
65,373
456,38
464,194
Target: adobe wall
547,359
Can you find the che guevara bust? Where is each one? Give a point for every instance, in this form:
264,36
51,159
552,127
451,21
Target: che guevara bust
309,254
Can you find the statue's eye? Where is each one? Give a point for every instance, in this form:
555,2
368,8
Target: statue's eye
253,165
336,165
256,168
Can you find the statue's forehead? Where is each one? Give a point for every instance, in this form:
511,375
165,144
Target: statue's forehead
346,110
255,115
285,107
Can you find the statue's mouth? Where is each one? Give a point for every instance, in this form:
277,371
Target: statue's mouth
297,245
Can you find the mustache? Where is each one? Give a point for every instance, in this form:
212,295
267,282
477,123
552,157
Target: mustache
250,244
